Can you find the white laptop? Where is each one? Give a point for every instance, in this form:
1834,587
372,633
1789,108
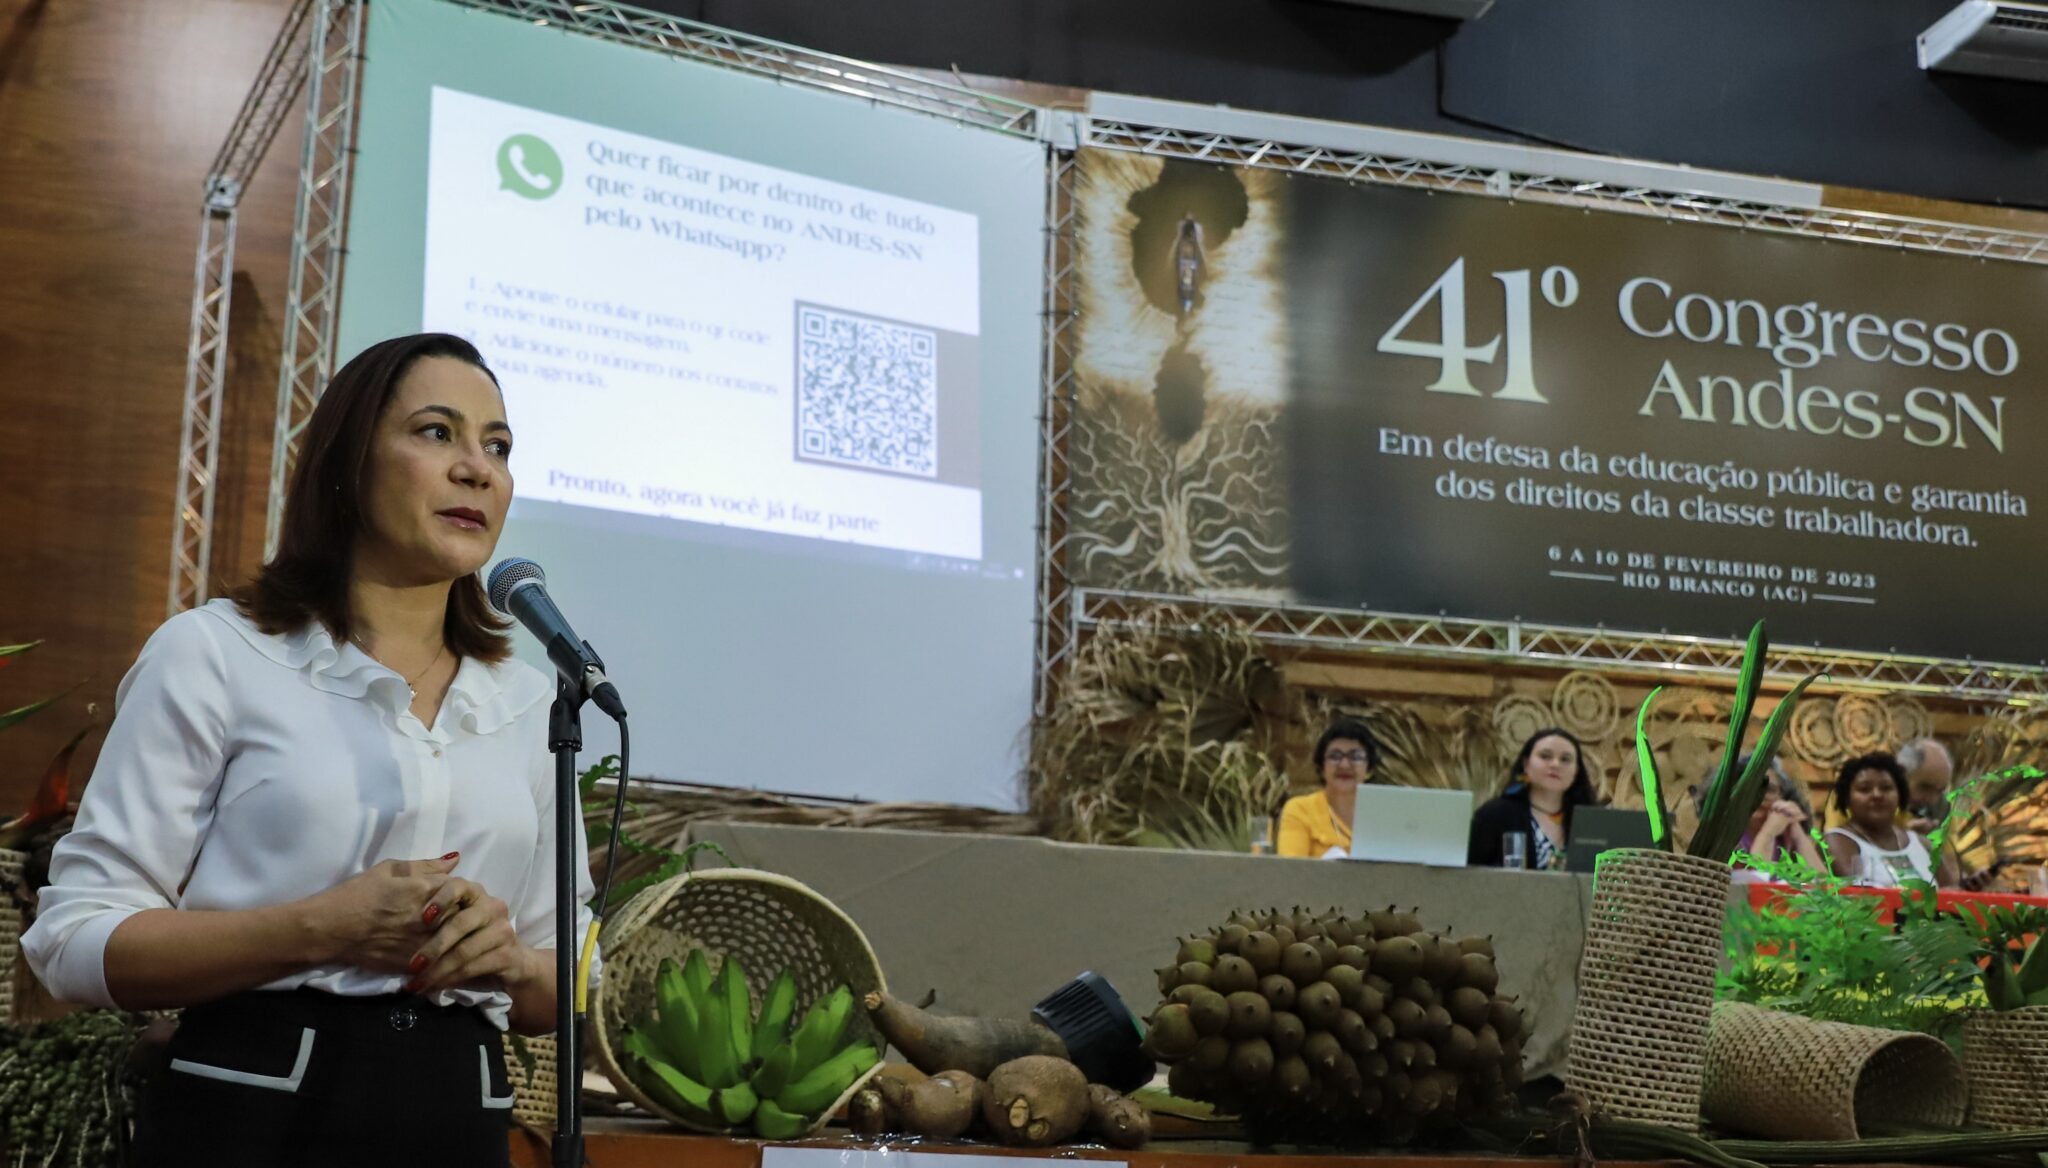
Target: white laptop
1411,825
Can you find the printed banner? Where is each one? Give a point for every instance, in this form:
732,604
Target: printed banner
1302,390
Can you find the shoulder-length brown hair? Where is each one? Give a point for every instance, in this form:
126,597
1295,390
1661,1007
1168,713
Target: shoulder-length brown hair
323,516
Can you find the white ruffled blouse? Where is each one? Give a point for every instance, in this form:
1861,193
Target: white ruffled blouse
245,770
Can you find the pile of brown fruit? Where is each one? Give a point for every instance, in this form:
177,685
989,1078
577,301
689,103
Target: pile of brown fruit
1333,1025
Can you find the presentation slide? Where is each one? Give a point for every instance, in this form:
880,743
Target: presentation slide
771,355
702,338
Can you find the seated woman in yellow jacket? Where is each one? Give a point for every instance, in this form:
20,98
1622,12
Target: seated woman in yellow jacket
1319,824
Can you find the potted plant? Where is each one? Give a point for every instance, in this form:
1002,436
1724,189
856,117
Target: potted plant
1653,935
2005,1044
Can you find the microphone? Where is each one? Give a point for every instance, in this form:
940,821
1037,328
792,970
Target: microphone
519,589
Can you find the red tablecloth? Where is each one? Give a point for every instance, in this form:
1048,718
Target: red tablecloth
1764,894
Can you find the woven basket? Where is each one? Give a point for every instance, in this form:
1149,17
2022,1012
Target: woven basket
1792,1078
11,863
2005,1053
767,921
1646,985
533,1100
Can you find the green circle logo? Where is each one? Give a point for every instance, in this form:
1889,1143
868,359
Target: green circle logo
529,167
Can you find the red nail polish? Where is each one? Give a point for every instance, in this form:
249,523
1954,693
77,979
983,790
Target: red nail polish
451,855
432,914
419,964
413,986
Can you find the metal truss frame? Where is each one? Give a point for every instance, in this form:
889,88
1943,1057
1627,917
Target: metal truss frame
263,112
1824,222
1057,633
318,51
312,302
678,37
1513,643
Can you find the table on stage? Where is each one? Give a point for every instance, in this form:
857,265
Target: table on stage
995,923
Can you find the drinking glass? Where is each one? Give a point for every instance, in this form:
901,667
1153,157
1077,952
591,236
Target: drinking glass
1514,850
1262,835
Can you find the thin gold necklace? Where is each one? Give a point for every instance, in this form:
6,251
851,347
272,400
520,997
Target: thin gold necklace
411,683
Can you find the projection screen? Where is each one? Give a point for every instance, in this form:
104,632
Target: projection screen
771,358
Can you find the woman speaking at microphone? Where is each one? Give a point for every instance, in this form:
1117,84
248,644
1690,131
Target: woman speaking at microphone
322,823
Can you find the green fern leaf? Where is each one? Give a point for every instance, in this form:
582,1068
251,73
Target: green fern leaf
621,893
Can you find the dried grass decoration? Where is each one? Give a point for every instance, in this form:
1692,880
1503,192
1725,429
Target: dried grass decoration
1458,749
1997,824
1162,735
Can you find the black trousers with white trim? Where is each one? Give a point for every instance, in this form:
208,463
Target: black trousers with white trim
308,1079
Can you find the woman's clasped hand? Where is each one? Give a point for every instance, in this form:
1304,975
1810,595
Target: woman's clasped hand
417,918
376,920
473,944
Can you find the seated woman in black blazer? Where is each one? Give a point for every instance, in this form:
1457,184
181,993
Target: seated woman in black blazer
1548,780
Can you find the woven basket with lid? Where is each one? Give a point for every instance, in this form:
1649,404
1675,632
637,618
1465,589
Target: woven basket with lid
767,921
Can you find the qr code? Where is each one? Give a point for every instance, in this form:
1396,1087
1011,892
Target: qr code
867,393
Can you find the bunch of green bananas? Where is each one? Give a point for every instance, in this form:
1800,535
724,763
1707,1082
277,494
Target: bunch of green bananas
707,1056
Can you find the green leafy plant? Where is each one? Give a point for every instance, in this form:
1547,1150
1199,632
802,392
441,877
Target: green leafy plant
1826,952
2014,953
1729,796
1941,953
597,812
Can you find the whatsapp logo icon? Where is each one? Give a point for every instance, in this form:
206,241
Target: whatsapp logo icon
529,167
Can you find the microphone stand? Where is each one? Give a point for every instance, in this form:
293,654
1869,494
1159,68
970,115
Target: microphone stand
565,738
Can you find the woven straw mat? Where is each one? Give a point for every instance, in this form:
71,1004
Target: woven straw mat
1792,1078
767,921
10,930
2005,1053
1646,986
